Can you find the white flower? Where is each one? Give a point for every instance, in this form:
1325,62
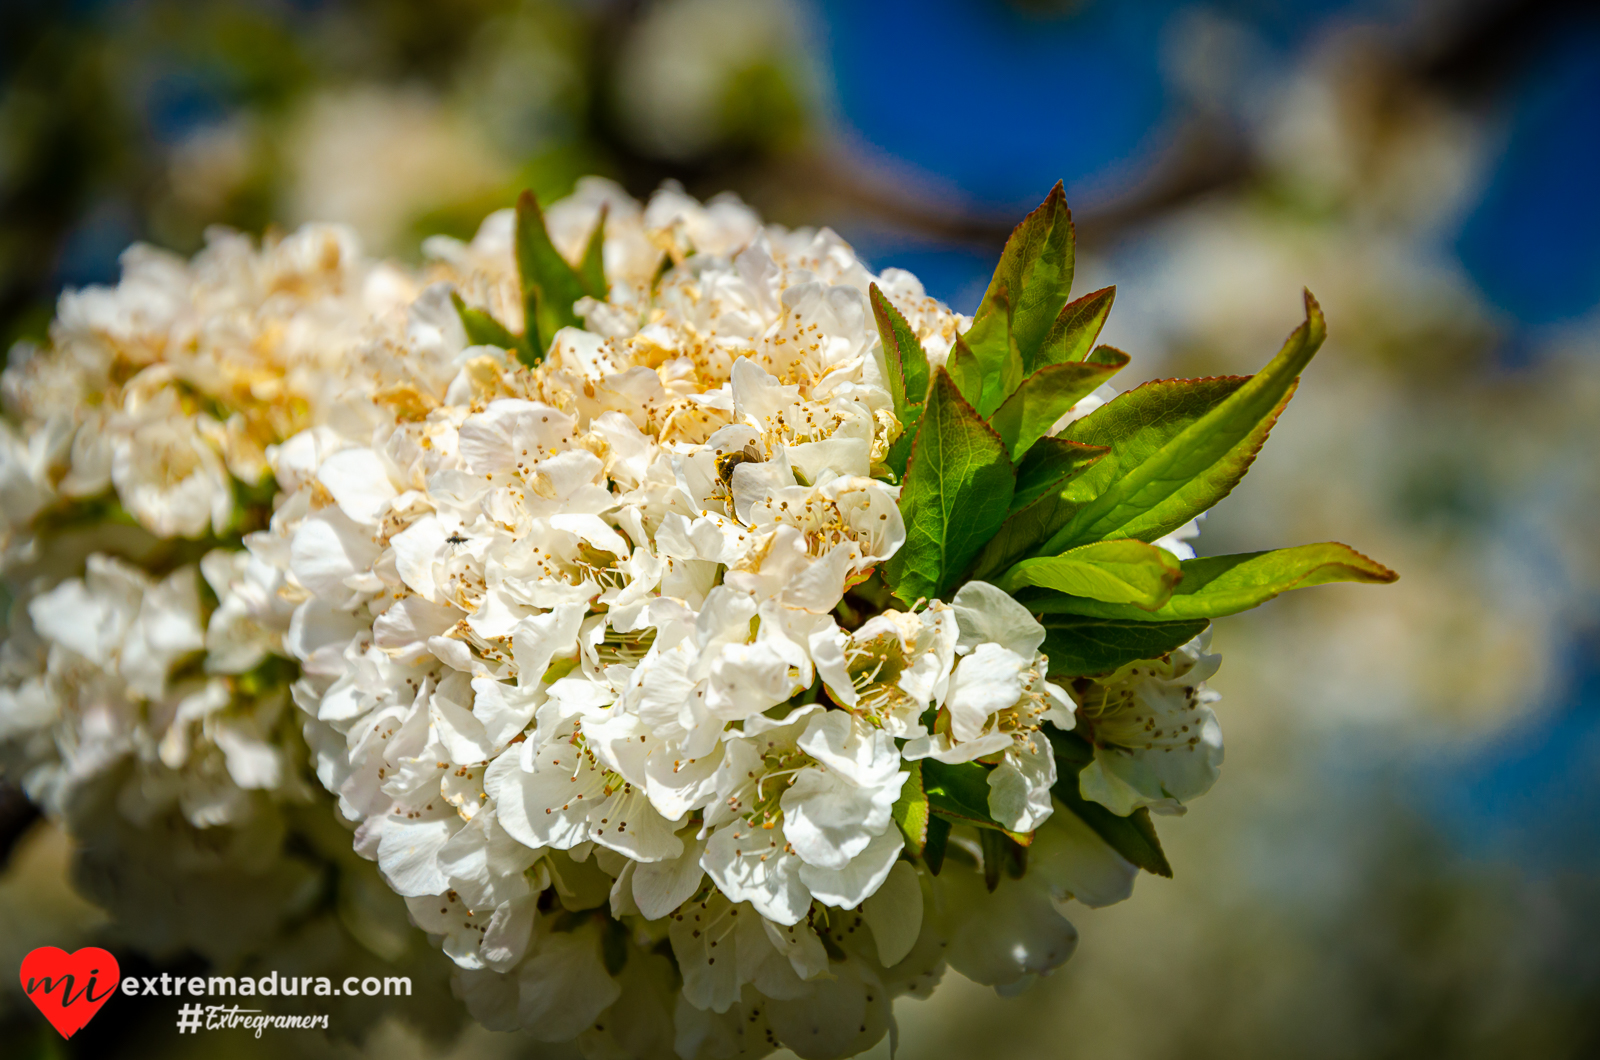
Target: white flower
802,812
894,914
722,945
563,985
890,668
24,477
117,618
573,791
1177,542
656,889
1074,862
997,701
1156,739
1006,938
251,615
834,807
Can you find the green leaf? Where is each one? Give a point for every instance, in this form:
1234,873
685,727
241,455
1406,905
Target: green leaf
482,328
664,265
1022,531
911,811
592,269
938,840
1030,285
900,452
1134,836
613,945
964,368
1154,481
1140,422
992,844
956,493
1214,586
1046,395
1071,749
1049,465
1123,571
902,353
1076,327
1079,646
550,285
1130,428
907,369
999,376
1001,854
960,794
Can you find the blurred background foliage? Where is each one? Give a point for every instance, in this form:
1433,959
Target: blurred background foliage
1403,859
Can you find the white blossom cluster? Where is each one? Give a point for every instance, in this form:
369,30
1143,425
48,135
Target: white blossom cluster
135,447
151,723
575,647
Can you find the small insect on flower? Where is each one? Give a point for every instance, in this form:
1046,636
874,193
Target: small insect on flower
750,454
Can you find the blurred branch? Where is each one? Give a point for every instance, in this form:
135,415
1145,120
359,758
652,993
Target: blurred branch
1206,158
1479,51
1467,58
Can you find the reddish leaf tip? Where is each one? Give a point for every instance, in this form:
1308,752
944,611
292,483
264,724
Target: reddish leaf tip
1316,324
1378,572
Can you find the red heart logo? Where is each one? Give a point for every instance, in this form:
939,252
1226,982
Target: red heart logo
69,988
